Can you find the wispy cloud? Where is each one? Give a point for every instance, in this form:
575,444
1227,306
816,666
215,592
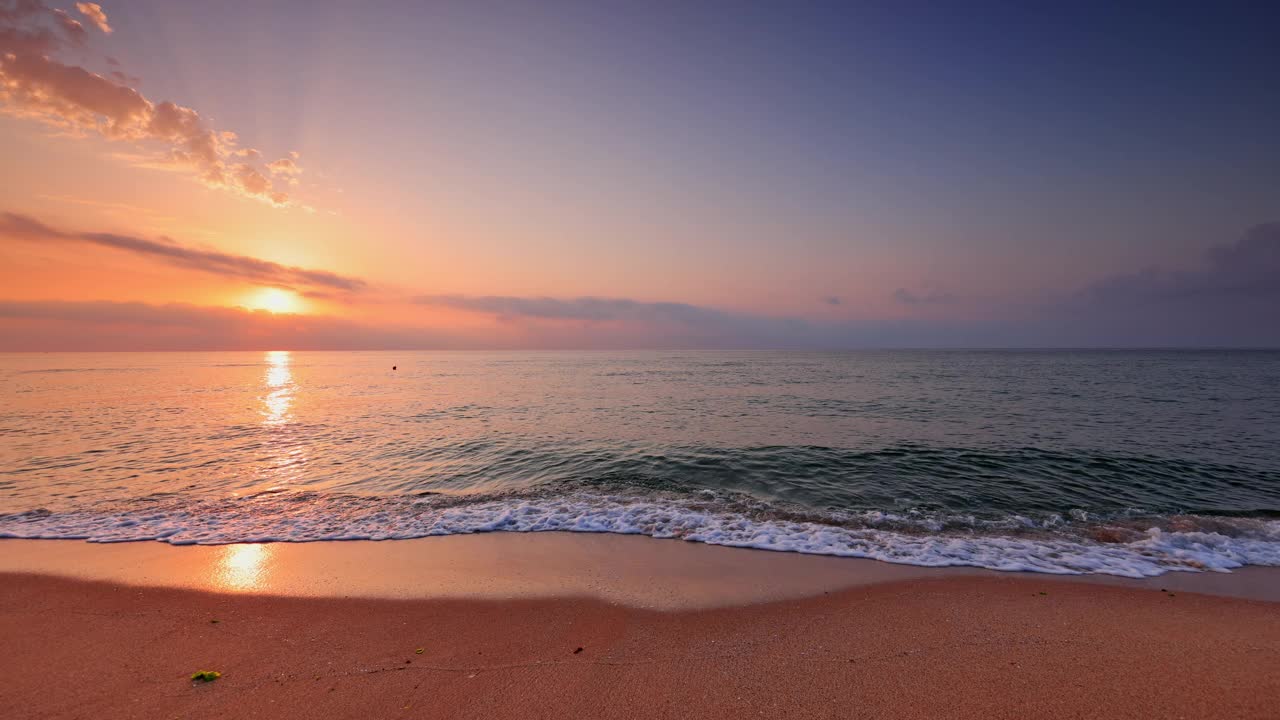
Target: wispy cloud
53,325
168,251
34,85
74,31
622,322
589,309
1231,299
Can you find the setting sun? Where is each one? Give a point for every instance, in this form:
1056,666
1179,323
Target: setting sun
275,300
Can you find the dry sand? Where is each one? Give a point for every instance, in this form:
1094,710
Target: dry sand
966,645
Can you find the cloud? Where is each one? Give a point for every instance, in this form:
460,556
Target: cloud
23,28
590,309
93,11
624,322
1231,299
165,250
104,326
70,96
36,86
68,326
285,165
124,79
1241,272
74,31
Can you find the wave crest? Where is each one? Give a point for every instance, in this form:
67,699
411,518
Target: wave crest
1130,544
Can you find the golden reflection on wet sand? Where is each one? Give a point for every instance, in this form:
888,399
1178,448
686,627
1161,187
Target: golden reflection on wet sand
242,568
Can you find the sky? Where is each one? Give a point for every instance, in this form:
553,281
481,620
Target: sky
333,175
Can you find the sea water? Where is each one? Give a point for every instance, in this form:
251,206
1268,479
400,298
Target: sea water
1129,463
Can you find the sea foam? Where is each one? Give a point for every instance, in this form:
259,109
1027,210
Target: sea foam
1012,543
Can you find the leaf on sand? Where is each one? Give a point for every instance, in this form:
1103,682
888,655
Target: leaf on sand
206,675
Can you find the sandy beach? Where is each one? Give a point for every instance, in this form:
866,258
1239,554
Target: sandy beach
923,644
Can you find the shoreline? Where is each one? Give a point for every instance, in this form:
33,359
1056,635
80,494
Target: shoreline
957,647
635,570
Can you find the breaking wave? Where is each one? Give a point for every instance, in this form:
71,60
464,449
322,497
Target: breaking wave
1130,543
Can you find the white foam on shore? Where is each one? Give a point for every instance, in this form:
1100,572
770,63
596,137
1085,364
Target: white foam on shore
311,517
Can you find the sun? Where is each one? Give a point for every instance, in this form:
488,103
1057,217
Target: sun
275,300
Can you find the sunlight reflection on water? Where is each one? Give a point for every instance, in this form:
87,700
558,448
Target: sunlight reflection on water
286,457
279,382
987,432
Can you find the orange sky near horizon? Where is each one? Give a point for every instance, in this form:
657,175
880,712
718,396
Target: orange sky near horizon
80,184
107,195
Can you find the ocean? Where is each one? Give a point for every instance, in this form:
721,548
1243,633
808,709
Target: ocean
1130,463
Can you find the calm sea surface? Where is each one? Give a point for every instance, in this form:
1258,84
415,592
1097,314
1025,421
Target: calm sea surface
1131,463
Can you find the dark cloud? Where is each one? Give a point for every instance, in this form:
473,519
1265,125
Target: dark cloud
165,250
71,27
613,320
23,28
123,79
1245,271
1231,299
590,309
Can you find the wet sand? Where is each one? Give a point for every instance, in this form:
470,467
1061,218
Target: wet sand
949,644
630,569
